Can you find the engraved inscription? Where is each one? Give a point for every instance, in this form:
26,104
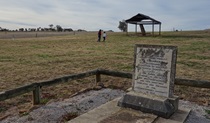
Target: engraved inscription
153,70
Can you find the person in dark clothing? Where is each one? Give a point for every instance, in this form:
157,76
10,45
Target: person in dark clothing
99,35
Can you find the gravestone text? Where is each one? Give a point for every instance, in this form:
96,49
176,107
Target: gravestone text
154,69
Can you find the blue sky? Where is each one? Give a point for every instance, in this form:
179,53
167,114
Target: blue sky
103,14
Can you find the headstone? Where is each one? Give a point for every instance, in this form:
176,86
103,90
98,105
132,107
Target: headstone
154,70
153,81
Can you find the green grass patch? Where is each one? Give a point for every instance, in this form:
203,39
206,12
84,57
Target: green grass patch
197,46
199,57
37,46
6,59
3,109
191,64
44,56
207,111
44,100
193,56
165,42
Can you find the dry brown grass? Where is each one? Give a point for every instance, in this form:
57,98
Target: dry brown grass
28,60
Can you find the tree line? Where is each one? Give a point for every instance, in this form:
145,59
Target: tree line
51,27
122,26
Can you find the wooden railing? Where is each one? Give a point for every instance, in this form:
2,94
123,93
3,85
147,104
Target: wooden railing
35,87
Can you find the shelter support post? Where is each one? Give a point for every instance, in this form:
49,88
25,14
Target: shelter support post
136,29
159,29
127,29
153,28
143,32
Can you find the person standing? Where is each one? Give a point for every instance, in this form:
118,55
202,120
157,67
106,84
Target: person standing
104,36
99,35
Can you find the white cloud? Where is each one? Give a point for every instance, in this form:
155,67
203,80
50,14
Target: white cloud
98,14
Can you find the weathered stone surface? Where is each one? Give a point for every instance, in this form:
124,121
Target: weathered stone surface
154,69
160,106
129,116
178,117
111,113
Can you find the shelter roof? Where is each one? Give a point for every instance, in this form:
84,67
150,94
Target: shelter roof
142,19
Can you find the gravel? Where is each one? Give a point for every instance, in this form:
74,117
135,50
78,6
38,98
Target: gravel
55,111
197,114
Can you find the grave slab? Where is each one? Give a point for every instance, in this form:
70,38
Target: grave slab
111,113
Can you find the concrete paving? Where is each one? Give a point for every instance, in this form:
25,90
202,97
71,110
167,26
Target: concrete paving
111,113
98,114
179,117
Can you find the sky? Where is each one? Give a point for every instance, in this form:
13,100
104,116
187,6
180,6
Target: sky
93,15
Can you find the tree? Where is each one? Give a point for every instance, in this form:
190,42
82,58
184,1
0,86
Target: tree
122,26
59,28
51,26
21,29
39,29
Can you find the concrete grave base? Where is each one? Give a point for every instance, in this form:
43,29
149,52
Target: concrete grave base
160,106
111,113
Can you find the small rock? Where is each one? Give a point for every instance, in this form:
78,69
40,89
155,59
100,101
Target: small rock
90,101
101,84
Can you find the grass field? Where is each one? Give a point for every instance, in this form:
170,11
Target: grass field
28,60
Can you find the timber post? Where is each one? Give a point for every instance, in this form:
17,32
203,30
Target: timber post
36,95
98,77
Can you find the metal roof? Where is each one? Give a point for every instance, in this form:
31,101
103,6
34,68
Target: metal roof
138,19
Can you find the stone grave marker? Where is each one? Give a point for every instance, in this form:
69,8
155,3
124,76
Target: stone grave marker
153,80
154,69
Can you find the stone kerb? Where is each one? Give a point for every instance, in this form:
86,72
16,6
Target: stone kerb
153,81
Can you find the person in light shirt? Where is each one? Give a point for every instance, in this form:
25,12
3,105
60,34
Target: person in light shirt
104,36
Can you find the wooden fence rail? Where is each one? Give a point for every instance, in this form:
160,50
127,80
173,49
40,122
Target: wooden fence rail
35,87
17,91
68,78
178,81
